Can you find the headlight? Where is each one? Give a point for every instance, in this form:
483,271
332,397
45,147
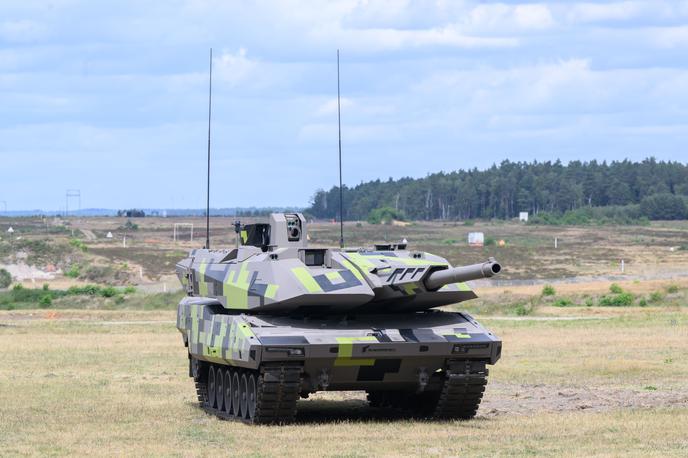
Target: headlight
290,351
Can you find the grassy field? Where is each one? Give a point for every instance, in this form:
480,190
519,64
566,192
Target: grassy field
595,366
114,383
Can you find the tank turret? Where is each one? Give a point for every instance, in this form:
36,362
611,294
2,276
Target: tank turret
273,270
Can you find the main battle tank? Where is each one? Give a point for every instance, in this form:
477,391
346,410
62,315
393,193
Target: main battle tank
273,320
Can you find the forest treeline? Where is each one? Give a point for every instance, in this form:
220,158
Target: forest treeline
651,189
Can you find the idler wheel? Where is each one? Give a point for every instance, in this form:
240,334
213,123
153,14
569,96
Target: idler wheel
236,399
227,394
211,387
251,396
243,395
220,389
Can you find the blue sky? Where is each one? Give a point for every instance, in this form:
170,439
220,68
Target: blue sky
110,97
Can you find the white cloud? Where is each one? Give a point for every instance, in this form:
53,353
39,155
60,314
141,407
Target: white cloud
597,12
378,40
501,18
234,68
533,16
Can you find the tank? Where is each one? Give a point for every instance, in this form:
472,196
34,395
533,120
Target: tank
273,320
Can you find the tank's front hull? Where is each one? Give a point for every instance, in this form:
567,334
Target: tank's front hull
431,362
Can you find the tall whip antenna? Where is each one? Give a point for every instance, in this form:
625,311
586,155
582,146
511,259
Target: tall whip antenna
207,201
341,198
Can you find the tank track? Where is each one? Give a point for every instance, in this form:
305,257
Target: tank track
462,391
458,398
277,388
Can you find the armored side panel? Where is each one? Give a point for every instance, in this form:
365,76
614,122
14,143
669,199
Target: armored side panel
340,346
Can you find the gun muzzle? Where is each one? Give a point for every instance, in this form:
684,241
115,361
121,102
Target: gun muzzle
439,278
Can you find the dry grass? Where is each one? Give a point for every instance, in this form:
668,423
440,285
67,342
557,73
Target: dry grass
114,383
529,251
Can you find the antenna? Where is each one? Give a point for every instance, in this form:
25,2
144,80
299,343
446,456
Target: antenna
207,201
341,199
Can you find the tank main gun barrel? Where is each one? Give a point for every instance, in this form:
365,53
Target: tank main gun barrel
440,278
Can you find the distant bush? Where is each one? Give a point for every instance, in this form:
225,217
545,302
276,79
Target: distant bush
74,271
617,300
469,222
78,244
108,291
5,279
129,290
131,226
490,241
656,296
672,289
589,302
44,298
548,290
449,241
384,215
45,301
615,289
563,302
91,290
522,309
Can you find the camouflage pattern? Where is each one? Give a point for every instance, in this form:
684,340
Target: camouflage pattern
286,318
290,277
355,353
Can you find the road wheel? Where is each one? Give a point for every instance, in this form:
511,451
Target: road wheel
227,394
220,388
251,396
243,394
211,387
236,399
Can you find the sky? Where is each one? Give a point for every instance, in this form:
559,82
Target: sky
111,97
